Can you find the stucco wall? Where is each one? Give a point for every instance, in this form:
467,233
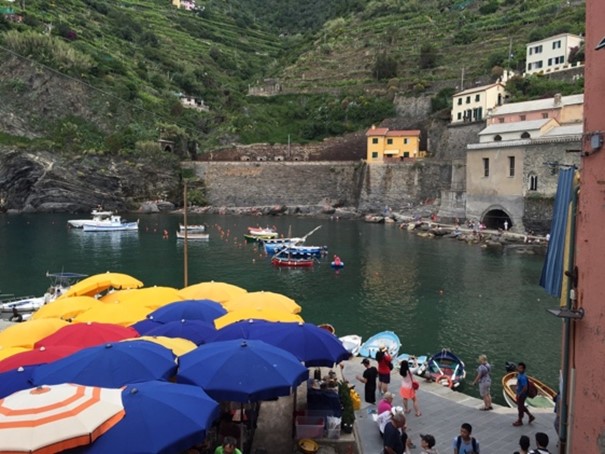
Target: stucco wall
477,206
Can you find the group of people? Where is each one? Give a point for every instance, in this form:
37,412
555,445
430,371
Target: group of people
392,419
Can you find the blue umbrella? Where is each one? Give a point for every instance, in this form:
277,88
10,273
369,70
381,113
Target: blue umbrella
309,343
16,380
160,418
110,366
204,310
242,370
196,331
144,326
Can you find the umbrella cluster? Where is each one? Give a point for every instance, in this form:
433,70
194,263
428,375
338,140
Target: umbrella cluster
158,359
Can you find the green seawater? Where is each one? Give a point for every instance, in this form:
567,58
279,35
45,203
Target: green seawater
433,293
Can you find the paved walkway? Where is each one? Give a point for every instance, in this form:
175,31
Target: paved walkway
443,411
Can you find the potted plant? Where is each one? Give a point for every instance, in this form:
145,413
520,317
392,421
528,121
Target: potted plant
348,413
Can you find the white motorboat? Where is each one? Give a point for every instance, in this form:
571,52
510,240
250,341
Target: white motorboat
192,235
98,217
60,282
113,224
351,343
198,228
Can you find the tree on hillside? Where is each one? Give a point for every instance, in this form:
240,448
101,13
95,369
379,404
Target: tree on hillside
428,56
385,67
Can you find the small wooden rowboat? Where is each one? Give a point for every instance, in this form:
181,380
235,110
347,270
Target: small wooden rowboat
291,261
544,399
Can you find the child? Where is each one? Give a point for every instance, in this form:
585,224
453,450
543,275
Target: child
427,444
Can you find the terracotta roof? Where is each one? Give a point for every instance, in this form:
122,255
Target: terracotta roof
403,132
377,132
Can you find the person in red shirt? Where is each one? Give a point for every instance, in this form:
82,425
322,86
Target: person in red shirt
384,369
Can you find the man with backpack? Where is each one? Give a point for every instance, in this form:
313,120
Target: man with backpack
521,395
465,443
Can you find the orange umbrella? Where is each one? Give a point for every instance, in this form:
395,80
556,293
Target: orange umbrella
119,314
272,315
262,300
65,308
150,297
98,283
26,334
215,291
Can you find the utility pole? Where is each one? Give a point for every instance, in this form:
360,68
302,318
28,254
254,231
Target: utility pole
462,79
510,52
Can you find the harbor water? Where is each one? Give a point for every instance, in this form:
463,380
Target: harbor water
434,293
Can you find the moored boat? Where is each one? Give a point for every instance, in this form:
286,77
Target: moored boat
544,399
301,251
415,363
114,224
197,228
351,343
444,368
98,217
388,339
59,283
292,261
193,235
259,233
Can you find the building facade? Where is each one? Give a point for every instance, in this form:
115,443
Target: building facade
473,104
550,54
386,145
564,109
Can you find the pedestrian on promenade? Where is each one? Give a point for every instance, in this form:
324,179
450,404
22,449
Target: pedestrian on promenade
521,395
384,369
228,447
523,445
16,317
484,379
394,436
386,403
407,390
465,443
369,380
427,444
541,444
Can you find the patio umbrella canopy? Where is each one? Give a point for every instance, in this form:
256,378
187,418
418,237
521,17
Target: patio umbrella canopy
15,380
99,283
65,308
204,310
87,334
215,291
112,365
28,333
119,314
42,355
242,370
150,297
6,352
272,315
145,325
309,343
50,419
262,301
196,331
161,418
177,345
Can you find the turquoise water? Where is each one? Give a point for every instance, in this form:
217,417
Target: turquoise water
433,293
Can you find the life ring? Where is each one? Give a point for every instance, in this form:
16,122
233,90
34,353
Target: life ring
442,377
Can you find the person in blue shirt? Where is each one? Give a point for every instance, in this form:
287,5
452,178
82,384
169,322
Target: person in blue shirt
521,395
394,434
465,443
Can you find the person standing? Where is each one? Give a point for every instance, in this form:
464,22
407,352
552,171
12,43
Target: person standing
521,395
369,379
465,443
393,438
541,443
407,390
384,369
228,447
427,444
523,445
484,379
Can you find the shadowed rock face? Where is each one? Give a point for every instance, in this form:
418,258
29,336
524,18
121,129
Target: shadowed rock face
45,182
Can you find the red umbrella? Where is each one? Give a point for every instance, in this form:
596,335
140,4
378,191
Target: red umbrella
40,355
87,334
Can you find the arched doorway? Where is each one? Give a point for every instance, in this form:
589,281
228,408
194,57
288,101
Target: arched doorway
497,219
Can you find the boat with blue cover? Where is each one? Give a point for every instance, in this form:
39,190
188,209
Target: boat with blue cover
415,363
387,339
302,251
445,368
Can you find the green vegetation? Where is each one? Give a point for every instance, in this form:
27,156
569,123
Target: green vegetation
100,76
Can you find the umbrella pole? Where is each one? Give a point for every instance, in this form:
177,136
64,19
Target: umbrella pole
185,251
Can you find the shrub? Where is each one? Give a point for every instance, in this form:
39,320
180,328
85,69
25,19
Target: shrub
385,67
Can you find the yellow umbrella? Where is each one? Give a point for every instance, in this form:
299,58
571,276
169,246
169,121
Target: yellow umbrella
262,300
101,282
178,345
272,315
151,297
6,352
116,313
26,334
65,308
215,291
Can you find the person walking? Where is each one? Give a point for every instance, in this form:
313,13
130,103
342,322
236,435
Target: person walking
406,389
369,379
465,443
484,379
521,395
384,369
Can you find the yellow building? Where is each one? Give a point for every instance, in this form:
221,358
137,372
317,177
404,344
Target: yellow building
385,145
